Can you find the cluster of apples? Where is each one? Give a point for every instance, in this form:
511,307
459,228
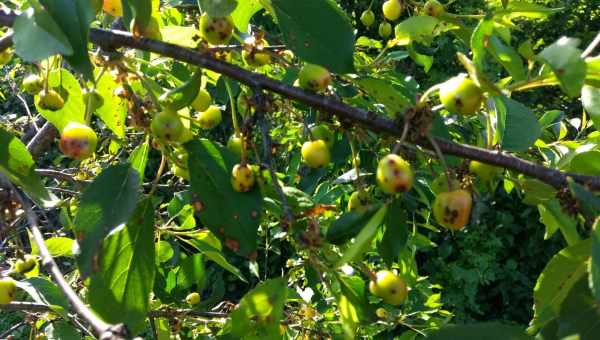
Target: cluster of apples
8,286
392,10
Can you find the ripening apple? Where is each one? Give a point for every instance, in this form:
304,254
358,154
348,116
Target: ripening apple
359,201
453,209
210,118
394,174
202,101
152,29
242,178
392,9
32,84
433,8
193,298
485,172
8,289
367,18
113,7
316,153
166,125
389,287
182,159
216,30
78,141
50,100
314,77
256,55
461,95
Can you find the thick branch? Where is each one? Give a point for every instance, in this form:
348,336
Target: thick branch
114,39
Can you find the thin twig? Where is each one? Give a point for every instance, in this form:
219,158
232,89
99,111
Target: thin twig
591,46
12,329
103,329
6,41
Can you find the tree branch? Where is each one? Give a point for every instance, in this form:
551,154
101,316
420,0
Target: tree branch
6,41
111,39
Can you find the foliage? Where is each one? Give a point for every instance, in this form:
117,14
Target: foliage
276,251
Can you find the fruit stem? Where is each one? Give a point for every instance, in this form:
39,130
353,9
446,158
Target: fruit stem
236,126
440,156
426,95
161,169
354,160
403,137
88,105
368,272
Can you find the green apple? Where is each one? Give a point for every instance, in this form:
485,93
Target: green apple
461,95
242,178
202,101
33,84
316,153
166,125
210,118
385,29
8,289
314,77
392,9
367,18
389,287
193,298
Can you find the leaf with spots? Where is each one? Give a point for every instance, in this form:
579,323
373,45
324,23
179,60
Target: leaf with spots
232,216
304,24
113,110
564,58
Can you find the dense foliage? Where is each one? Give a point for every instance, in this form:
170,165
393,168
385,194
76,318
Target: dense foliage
194,200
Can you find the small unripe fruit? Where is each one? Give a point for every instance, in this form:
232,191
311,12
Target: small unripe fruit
381,313
234,144
389,287
78,141
202,101
33,84
433,8
485,172
324,133
359,202
193,298
50,100
394,174
94,99
314,77
8,289
26,264
392,9
216,30
113,7
181,171
453,209
461,95
242,178
385,29
367,18
210,118
316,153
167,126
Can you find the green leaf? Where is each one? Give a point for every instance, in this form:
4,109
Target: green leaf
126,271
595,264
477,331
348,225
421,59
590,98
507,57
219,8
479,40
74,109
57,246
244,12
552,216
182,96
364,238
589,203
564,58
45,292
17,164
74,19
113,111
396,233
61,330
232,216
586,163
556,280
303,24
139,159
141,10
395,97
191,272
579,316
420,28
526,9
260,311
38,37
518,128
203,243
105,204
537,192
